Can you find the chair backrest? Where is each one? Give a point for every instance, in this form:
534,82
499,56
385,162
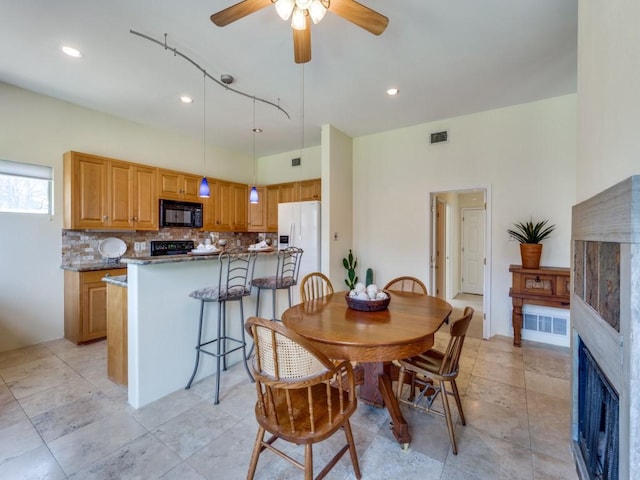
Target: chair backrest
407,284
315,285
293,381
288,267
236,273
458,331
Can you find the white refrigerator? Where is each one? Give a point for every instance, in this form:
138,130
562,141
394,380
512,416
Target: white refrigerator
299,226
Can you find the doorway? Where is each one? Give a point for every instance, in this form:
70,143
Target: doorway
460,249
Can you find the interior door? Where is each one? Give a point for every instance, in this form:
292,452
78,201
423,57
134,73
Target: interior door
473,250
440,252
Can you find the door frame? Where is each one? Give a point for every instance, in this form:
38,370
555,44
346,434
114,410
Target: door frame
486,189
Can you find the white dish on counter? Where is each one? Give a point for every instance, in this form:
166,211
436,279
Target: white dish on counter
112,247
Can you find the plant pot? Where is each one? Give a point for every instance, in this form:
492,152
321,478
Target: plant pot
530,254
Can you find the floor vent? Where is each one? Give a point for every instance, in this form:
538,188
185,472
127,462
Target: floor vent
546,325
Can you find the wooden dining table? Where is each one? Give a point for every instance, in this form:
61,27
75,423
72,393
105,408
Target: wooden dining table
406,328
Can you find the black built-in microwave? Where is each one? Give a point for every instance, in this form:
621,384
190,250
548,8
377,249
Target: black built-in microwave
176,213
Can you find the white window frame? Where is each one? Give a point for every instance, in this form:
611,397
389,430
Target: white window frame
26,172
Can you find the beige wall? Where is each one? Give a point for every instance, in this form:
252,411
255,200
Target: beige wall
38,129
609,102
526,153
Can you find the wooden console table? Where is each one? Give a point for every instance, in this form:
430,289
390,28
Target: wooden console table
546,286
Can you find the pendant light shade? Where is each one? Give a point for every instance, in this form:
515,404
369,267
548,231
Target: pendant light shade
204,188
253,195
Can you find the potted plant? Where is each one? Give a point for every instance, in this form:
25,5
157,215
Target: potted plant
530,235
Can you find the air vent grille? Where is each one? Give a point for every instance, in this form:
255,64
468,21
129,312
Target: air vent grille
439,137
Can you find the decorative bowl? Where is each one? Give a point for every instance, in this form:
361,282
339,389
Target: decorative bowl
368,305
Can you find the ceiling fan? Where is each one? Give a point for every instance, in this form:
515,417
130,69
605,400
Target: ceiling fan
302,13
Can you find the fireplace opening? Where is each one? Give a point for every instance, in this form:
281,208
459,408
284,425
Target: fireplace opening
598,435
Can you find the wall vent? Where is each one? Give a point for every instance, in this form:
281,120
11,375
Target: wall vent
546,324
439,137
295,162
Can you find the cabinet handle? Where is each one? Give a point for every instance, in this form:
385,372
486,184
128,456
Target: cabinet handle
106,217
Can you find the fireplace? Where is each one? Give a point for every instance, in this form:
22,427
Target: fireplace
605,317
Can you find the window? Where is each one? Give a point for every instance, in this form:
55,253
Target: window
25,188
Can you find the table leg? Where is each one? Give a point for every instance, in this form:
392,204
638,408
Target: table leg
399,425
377,390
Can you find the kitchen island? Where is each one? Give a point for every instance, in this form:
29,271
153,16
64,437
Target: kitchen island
163,320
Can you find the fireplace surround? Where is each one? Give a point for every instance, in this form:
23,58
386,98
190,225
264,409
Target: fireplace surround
605,317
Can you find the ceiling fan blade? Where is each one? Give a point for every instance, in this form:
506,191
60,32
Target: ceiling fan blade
237,11
302,43
360,15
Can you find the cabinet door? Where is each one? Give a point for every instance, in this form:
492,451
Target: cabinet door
121,195
86,204
310,190
145,198
169,184
191,188
94,310
258,212
288,192
211,207
240,205
272,208
225,207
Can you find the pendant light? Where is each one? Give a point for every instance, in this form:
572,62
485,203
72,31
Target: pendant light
204,184
253,194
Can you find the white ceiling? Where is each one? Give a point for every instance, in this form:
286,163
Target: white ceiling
447,58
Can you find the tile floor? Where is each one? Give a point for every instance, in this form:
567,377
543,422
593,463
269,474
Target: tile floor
60,417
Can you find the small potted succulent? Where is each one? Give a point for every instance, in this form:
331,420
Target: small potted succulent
530,234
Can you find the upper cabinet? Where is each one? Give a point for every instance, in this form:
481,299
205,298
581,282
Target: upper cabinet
258,212
310,189
102,193
178,185
226,209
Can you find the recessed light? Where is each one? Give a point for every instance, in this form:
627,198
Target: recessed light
257,130
392,91
186,99
72,52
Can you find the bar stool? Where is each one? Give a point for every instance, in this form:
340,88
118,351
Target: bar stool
286,276
234,277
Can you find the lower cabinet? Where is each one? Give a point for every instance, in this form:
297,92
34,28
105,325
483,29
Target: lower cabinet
117,340
85,304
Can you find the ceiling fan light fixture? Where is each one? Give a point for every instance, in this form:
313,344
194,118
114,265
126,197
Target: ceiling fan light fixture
284,8
303,4
298,21
317,9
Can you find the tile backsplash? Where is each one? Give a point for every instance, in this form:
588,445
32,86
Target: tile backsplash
80,247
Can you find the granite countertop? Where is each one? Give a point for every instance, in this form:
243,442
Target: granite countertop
94,266
179,258
119,280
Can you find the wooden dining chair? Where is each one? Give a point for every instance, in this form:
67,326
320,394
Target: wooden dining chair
296,400
442,367
407,284
315,285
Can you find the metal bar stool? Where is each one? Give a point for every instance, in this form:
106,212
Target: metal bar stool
286,276
234,277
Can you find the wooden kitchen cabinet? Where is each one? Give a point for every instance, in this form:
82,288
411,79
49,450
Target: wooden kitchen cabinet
310,190
258,212
117,334
273,194
106,194
288,192
178,185
85,304
226,210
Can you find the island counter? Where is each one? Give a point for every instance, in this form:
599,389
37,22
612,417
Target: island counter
163,321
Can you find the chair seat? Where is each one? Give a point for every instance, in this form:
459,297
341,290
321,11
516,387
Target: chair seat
294,424
429,361
215,294
273,282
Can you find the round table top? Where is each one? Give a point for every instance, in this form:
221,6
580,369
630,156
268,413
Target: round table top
405,329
